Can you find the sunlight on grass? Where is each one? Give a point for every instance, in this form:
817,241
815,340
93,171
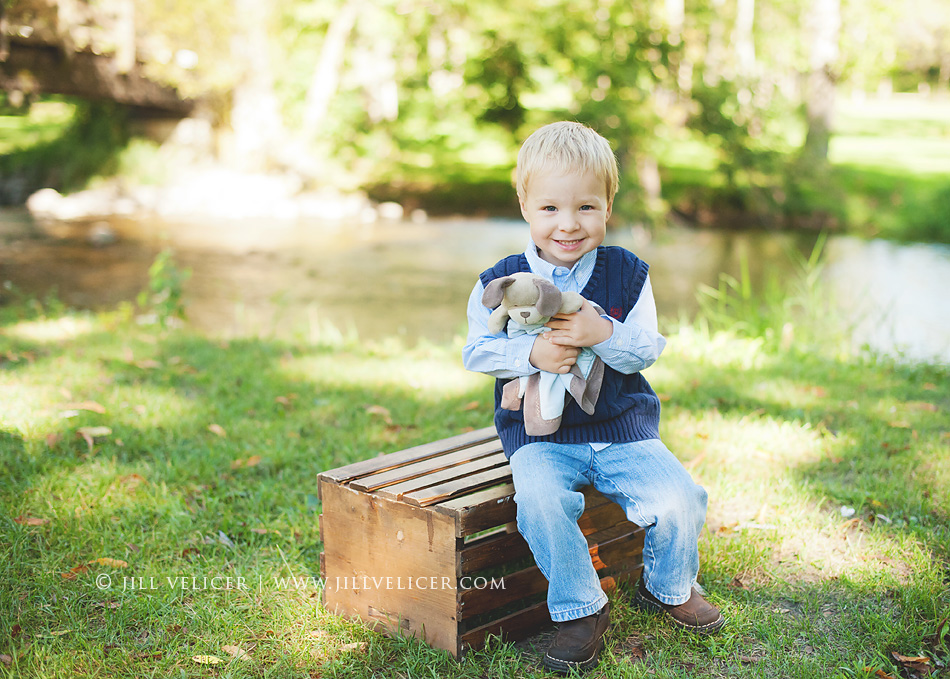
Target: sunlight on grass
782,439
51,330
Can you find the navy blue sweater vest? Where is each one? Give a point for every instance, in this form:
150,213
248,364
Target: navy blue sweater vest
627,408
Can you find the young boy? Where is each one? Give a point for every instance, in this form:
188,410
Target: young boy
566,182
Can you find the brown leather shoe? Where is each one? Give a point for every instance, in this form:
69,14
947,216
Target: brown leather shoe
578,642
696,615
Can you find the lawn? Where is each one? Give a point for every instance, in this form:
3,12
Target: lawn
159,492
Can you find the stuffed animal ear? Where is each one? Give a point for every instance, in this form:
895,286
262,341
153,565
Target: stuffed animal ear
495,291
549,297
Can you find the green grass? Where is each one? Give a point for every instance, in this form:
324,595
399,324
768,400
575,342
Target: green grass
208,470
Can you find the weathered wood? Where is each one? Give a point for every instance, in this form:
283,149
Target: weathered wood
405,534
420,452
388,559
426,467
480,510
428,496
518,625
458,474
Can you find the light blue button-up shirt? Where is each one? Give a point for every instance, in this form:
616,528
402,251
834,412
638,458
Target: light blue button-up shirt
634,345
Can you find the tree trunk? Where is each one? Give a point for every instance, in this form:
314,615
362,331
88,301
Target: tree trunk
742,37
255,113
823,26
326,77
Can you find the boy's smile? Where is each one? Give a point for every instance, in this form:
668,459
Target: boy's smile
567,215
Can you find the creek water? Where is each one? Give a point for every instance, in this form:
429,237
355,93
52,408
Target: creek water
412,280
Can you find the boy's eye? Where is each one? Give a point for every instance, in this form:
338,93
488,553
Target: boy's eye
549,208
587,207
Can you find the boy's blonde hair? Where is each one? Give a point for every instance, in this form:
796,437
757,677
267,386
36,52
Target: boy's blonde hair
564,147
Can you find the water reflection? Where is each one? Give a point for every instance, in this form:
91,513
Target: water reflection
395,278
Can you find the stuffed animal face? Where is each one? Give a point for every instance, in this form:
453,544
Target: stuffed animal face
527,299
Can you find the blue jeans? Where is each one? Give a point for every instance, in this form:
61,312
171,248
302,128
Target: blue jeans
645,479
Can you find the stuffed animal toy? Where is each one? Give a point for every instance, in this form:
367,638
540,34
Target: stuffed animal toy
523,302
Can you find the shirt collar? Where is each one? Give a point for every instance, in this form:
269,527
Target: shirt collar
581,270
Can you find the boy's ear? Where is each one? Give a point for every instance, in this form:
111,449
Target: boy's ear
524,210
610,208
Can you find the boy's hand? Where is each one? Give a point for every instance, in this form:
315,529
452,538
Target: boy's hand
583,328
551,357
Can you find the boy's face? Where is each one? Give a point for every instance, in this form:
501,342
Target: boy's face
567,215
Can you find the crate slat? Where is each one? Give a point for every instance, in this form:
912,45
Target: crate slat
457,473
428,496
430,465
420,452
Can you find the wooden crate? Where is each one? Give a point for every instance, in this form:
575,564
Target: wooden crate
424,542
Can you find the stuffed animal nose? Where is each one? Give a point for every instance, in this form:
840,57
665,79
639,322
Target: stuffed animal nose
525,314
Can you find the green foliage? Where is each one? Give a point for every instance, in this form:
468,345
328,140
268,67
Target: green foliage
87,146
164,296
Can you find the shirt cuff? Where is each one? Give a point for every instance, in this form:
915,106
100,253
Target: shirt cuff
518,353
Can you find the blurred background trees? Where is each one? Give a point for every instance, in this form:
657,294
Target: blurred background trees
426,101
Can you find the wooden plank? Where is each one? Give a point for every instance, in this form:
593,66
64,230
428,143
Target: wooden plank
512,627
616,554
396,459
387,561
480,510
443,491
458,474
514,587
495,506
431,465
517,625
499,549
492,551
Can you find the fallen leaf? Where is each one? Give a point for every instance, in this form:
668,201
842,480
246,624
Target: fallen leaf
880,673
634,648
921,405
820,392
225,540
381,411
5,659
114,605
929,386
261,531
253,461
73,572
920,664
106,561
85,405
899,424
472,405
746,659
132,481
355,646
147,364
217,429
53,439
94,432
236,652
31,521
207,659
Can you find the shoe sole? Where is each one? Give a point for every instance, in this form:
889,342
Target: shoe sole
567,666
708,628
